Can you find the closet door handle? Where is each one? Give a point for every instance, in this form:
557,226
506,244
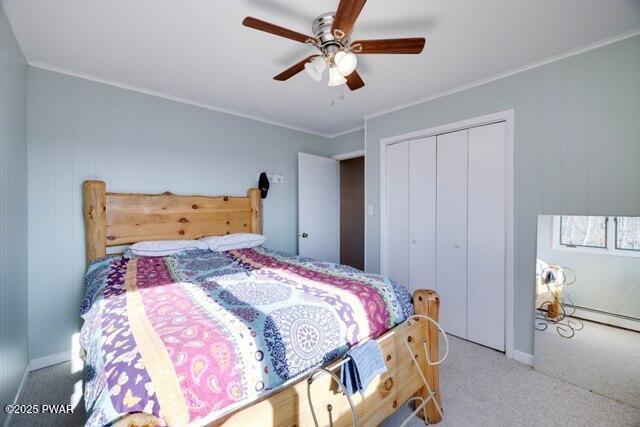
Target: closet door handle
457,246
414,240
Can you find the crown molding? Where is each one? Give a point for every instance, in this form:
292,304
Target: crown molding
499,76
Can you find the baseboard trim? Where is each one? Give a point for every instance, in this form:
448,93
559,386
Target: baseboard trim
607,319
7,421
50,360
523,357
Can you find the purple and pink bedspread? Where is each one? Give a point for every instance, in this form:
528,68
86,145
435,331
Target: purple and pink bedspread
191,337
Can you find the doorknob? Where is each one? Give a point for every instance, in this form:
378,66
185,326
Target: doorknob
305,235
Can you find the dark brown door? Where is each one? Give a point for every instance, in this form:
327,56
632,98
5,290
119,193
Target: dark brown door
352,212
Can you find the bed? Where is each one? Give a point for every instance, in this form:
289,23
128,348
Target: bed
230,338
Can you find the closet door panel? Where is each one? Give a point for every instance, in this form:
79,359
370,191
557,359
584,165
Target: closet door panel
451,240
486,235
422,213
397,215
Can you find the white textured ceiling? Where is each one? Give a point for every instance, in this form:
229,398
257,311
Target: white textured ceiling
197,50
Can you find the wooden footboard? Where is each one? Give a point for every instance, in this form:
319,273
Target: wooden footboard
427,303
290,407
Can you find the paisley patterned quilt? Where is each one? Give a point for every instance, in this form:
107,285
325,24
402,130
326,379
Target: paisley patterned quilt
193,336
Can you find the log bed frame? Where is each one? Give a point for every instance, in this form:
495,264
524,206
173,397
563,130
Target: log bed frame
114,219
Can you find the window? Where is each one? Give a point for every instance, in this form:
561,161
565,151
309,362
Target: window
628,233
597,234
588,231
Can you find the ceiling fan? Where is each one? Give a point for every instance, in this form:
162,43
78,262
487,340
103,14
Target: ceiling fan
332,37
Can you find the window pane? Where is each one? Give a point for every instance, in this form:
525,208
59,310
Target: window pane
628,233
588,231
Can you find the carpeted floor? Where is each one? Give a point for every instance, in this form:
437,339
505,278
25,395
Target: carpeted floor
600,358
479,387
53,385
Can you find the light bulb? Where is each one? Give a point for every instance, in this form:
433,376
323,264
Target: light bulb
335,78
345,62
316,67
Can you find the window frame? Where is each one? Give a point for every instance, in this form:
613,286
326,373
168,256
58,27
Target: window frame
615,240
610,248
606,234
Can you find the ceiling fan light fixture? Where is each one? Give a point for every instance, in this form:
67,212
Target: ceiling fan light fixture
345,62
316,67
335,78
334,49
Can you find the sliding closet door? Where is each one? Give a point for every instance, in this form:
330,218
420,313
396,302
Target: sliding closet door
422,213
487,177
397,204
451,241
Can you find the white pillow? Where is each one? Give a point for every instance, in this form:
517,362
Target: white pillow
165,247
233,241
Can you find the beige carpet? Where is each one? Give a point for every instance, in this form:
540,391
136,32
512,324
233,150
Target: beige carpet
479,387
600,358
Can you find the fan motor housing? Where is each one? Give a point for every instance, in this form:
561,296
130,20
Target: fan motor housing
322,30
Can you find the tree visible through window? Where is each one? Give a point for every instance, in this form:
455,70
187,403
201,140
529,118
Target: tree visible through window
628,233
589,231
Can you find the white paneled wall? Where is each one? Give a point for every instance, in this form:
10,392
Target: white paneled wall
13,213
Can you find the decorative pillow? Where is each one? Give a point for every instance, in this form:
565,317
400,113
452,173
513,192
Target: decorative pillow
165,247
233,241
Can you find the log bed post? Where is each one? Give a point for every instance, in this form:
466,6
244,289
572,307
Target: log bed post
95,218
256,210
427,303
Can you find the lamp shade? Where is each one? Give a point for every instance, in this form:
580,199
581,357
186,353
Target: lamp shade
345,62
316,67
335,78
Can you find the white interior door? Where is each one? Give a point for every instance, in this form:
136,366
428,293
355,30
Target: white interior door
318,207
451,240
486,235
422,213
444,225
397,205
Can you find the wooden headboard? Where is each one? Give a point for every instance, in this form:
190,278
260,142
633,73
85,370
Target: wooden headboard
114,219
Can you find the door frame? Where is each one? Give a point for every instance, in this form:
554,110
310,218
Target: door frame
352,155
506,116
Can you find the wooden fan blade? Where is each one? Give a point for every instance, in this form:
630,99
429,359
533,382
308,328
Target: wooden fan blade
346,15
412,45
293,70
267,27
354,81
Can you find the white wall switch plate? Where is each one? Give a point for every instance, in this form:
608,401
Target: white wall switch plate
369,209
273,178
